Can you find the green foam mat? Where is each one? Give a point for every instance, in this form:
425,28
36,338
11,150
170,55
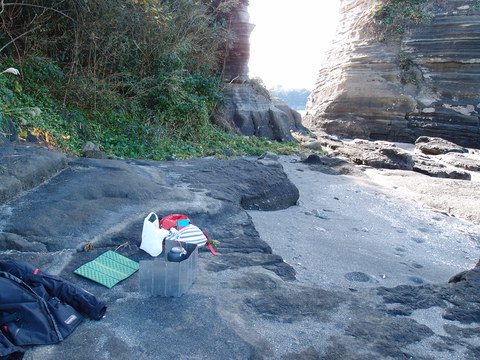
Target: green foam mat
108,269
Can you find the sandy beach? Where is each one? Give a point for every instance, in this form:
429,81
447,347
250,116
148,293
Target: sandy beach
376,228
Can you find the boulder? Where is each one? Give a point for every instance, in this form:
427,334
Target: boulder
377,155
315,145
268,156
251,112
384,155
387,158
294,117
435,169
462,161
436,146
92,151
328,165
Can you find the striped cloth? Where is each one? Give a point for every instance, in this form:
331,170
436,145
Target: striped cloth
193,235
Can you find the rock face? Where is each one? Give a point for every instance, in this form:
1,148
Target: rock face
437,146
252,113
248,109
424,85
424,158
236,62
453,174
73,207
23,167
246,299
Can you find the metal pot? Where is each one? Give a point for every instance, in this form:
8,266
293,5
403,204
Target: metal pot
177,254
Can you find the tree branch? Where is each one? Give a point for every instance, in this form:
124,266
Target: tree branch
38,6
18,37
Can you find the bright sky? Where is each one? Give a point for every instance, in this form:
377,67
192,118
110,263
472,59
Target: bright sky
290,39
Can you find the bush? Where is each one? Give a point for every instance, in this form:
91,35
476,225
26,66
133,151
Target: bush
128,129
119,63
393,17
138,77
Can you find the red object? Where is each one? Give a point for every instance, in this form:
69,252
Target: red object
36,272
212,250
209,244
170,221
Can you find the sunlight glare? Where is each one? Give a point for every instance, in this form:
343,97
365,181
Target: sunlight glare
290,39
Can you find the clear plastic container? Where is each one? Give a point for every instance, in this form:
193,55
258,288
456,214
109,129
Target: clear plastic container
160,277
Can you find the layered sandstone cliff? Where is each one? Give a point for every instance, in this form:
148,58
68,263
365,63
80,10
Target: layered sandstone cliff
249,109
427,83
236,62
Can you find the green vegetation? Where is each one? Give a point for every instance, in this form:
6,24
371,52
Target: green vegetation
260,87
475,7
140,78
407,67
393,17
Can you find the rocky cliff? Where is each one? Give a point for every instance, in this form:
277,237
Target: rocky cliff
426,83
249,110
236,61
